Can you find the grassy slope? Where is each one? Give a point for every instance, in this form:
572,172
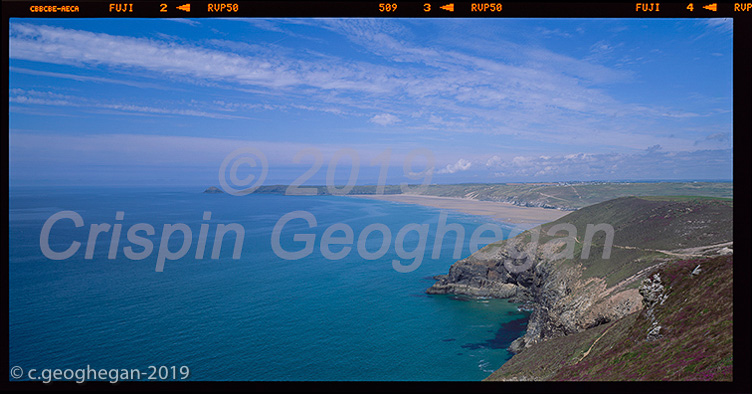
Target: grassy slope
577,196
697,321
546,359
642,227
648,226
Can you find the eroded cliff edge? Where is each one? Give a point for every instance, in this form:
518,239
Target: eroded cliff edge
685,332
570,291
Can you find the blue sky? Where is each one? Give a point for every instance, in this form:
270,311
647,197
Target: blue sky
162,102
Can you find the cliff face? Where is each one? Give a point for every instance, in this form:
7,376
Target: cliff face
684,332
485,278
571,292
564,302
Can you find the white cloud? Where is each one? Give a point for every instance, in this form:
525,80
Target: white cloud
184,21
460,165
553,32
385,119
78,47
24,97
493,161
722,25
476,86
652,163
82,78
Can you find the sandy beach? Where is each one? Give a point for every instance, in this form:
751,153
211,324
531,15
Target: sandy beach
502,211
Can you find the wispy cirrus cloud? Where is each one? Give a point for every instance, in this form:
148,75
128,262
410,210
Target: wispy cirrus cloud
25,97
77,47
385,76
190,22
454,82
723,25
84,78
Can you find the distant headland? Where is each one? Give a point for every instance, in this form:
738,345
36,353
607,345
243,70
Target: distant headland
213,190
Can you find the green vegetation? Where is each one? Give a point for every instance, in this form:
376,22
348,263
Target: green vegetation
696,341
544,360
646,230
584,329
681,198
696,320
560,195
574,195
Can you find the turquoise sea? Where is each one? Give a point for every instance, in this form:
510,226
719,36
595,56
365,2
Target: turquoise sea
258,317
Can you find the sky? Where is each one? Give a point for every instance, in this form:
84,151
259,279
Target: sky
165,101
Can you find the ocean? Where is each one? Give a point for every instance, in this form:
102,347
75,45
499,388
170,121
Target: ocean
327,315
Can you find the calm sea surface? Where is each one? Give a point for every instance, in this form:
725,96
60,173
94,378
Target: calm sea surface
258,317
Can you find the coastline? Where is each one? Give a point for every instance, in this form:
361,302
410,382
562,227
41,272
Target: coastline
501,211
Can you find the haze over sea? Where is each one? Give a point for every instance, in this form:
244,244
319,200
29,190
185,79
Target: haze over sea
255,318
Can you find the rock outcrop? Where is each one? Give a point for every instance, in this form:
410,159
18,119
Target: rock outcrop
653,294
562,301
566,303
684,333
569,294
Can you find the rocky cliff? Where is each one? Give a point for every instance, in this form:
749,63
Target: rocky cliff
684,332
571,287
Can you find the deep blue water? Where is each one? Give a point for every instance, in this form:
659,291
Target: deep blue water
255,318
